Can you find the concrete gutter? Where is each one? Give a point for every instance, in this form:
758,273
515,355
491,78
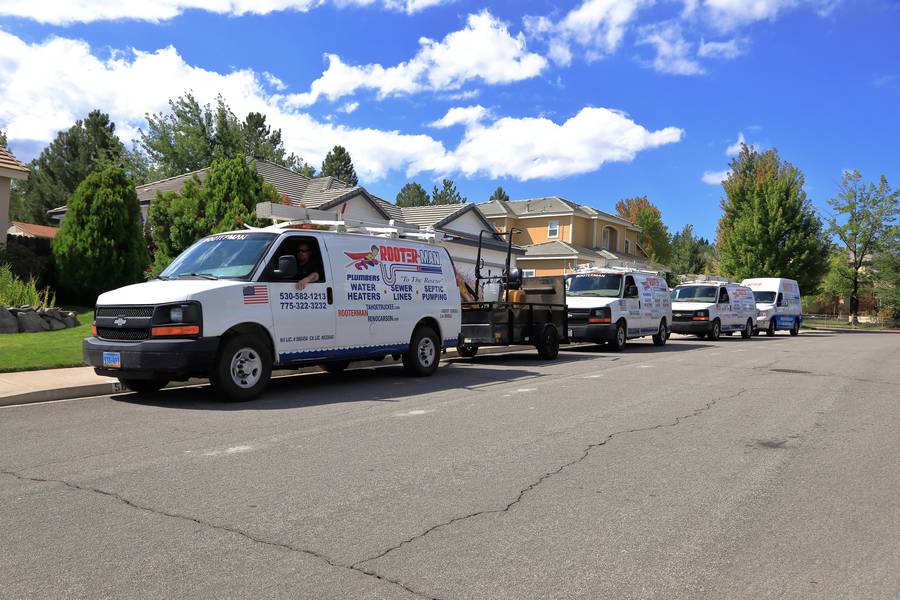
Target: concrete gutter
81,382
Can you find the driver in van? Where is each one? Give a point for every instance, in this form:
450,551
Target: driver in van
307,261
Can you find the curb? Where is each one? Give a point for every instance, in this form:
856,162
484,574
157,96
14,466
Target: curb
112,386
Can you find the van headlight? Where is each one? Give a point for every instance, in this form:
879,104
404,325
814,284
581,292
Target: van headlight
600,315
177,320
763,314
176,314
701,315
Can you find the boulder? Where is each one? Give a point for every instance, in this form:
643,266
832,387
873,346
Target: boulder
70,321
55,324
8,322
30,322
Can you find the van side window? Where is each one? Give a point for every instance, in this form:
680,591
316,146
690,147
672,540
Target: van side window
780,300
723,296
631,290
308,254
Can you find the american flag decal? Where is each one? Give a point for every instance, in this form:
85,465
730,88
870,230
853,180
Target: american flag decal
256,294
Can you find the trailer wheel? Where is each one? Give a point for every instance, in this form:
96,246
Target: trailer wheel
424,352
467,350
621,339
747,331
243,368
660,338
144,386
548,343
771,330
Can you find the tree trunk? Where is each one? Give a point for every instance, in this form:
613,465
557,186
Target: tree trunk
854,300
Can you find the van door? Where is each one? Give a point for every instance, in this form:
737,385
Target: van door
726,314
303,314
631,303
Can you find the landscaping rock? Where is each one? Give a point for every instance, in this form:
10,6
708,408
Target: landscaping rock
70,321
8,322
31,322
55,324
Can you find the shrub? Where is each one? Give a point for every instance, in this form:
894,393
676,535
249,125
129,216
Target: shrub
16,292
100,245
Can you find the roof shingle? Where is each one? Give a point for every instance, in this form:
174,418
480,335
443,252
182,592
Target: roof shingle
9,162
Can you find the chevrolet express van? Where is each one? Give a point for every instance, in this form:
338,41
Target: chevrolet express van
709,308
234,306
778,304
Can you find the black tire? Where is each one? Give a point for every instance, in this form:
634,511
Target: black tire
144,386
716,331
661,336
548,343
424,352
747,331
795,328
335,368
620,340
467,350
243,368
770,331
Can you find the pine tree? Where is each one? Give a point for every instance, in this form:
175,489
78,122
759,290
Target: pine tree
225,199
338,164
690,254
100,245
654,236
88,146
412,194
3,138
499,195
447,194
769,227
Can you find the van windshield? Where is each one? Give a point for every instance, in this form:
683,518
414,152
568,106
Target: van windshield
695,293
606,285
764,297
229,255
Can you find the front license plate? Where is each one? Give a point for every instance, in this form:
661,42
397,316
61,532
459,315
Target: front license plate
112,360
571,333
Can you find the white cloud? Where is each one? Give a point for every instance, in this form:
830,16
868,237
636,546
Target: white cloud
532,148
47,86
465,95
65,12
349,107
598,26
715,177
735,148
483,49
727,50
673,52
468,115
730,14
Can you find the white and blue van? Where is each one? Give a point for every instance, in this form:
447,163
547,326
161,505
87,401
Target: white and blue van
777,303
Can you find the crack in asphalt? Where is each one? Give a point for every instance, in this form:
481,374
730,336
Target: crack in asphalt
246,535
547,475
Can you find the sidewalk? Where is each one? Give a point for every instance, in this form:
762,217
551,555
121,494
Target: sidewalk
27,387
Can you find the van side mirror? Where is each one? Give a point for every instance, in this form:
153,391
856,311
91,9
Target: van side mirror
287,267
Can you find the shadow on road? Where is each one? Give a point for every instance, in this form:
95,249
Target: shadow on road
386,383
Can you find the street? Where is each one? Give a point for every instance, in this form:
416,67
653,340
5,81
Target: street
762,468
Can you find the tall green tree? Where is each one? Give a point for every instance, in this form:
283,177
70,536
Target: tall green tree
412,194
100,245
259,140
499,195
226,199
3,138
338,164
447,194
654,236
88,146
769,227
690,254
864,217
887,273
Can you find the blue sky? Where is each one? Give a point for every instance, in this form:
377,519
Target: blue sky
592,100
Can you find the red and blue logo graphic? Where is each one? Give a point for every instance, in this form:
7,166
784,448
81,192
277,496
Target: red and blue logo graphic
396,259
363,260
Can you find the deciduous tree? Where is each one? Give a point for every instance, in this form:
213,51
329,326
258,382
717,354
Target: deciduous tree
100,245
769,227
654,236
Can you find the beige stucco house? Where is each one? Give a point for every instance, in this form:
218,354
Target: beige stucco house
10,168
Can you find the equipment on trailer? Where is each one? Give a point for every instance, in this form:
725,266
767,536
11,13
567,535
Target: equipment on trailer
510,309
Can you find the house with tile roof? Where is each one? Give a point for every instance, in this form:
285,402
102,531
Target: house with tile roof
30,230
559,235
10,168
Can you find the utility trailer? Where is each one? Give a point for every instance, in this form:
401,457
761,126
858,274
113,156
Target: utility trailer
510,310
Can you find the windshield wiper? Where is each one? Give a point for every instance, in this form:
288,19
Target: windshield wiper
197,275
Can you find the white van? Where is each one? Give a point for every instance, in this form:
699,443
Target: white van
710,308
778,303
230,308
615,305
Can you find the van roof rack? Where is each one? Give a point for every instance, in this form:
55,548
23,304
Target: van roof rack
723,281
284,216
589,268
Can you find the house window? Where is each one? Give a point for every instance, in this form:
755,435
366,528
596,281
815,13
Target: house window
605,244
627,248
527,272
553,229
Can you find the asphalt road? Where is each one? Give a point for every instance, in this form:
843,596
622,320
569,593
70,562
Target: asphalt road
763,468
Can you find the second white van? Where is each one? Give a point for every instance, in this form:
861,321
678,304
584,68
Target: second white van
709,308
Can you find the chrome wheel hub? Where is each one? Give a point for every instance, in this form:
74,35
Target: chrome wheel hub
426,352
246,368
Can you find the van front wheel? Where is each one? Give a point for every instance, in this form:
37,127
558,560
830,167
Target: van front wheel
243,368
715,331
621,337
424,352
795,328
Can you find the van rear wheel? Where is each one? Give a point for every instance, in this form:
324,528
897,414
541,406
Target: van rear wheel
661,336
242,369
795,328
424,352
770,331
747,331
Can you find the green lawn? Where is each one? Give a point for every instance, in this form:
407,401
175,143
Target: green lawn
47,349
835,324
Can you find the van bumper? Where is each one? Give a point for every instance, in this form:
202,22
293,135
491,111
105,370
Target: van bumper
153,359
592,333
690,327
